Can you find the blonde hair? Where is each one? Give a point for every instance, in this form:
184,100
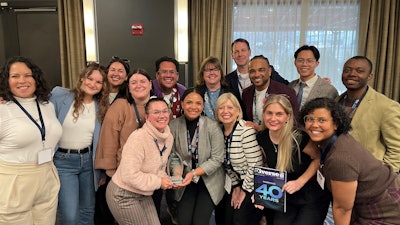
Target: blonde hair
228,97
288,136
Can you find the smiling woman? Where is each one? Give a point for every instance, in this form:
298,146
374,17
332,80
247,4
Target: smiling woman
364,190
142,169
77,146
211,83
199,142
29,132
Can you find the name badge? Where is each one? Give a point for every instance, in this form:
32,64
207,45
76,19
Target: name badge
45,156
228,184
320,179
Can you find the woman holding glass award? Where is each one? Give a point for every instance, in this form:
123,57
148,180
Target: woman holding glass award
142,168
242,153
200,144
289,149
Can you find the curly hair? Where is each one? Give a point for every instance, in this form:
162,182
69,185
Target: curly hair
42,91
101,97
338,114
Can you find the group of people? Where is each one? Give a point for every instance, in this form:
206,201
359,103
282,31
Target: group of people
98,154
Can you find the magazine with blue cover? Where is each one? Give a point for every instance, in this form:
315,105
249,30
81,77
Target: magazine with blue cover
268,185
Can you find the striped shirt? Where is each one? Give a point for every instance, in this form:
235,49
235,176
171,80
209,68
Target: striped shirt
244,153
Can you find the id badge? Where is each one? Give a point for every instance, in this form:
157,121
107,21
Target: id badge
228,184
320,179
45,156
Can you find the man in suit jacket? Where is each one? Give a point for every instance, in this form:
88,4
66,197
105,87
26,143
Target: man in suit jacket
254,96
375,117
239,79
306,61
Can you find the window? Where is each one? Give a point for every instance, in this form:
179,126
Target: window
277,28
90,32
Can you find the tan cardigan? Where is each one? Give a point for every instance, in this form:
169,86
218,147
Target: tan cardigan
142,166
119,123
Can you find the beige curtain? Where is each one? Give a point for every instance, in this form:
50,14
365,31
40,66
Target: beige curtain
210,32
380,41
72,40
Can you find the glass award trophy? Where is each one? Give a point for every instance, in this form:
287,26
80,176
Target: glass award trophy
175,168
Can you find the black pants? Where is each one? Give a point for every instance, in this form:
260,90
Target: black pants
225,214
308,206
196,205
102,214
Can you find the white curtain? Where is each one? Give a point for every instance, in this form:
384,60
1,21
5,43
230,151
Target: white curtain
276,28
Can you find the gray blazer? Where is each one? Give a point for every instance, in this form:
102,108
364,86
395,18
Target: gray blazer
321,89
211,154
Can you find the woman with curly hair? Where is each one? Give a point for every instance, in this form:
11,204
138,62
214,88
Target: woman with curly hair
364,190
29,132
80,111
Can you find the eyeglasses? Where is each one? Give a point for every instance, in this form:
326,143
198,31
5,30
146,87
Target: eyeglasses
308,61
319,120
158,112
168,71
210,70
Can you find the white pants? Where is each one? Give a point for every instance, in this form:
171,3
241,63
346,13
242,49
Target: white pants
29,194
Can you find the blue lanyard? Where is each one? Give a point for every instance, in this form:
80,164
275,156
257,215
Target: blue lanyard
327,149
228,143
193,149
138,119
355,104
208,100
158,147
42,128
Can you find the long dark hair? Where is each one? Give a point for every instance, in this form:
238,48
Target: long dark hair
42,91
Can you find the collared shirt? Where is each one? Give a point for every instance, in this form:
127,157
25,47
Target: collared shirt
307,89
244,81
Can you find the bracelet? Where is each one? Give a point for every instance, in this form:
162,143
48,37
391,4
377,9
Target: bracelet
195,178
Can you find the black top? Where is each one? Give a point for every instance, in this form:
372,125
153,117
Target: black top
271,156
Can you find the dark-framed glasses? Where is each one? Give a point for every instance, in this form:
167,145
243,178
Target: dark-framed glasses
319,120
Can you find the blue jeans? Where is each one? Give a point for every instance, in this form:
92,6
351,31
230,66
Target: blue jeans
76,199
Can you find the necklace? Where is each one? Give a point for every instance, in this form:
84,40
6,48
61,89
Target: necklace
88,107
275,147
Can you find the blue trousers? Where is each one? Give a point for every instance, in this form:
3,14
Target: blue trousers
76,199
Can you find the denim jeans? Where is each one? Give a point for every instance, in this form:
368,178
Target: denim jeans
76,199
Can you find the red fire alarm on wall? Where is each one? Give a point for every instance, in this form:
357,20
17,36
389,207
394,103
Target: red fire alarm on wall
137,29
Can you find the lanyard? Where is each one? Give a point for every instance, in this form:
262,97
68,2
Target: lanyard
42,128
193,144
208,100
174,102
355,104
327,149
138,119
163,148
255,116
228,143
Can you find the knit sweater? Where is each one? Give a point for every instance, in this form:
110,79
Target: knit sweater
142,164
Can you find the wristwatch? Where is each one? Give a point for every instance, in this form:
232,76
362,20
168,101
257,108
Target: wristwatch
195,178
